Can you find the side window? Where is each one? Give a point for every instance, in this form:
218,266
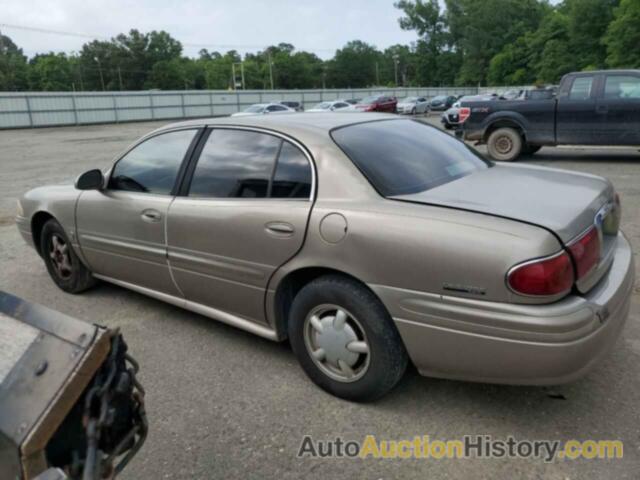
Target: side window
292,178
340,105
581,88
152,166
622,86
235,163
275,108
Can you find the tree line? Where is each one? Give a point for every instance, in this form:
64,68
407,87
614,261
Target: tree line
462,43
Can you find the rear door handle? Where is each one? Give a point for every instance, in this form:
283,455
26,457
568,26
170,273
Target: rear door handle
280,228
150,215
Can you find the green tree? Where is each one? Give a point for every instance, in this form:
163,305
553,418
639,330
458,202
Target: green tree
481,29
50,72
587,24
13,66
353,66
622,39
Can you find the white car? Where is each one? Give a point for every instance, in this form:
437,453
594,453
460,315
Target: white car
329,106
264,108
413,105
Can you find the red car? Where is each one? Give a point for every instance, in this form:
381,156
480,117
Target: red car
380,103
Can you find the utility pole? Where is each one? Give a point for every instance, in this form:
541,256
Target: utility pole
120,77
395,64
100,70
270,68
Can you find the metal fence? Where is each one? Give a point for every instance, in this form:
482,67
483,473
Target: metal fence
40,109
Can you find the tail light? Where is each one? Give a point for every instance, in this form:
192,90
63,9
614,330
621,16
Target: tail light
542,277
586,252
463,114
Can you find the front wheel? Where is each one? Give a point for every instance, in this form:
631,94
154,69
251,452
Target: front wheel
345,340
504,144
64,266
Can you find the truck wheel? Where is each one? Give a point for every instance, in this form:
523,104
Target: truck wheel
504,144
530,149
345,339
64,266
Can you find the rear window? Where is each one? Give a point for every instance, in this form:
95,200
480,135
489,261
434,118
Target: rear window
401,157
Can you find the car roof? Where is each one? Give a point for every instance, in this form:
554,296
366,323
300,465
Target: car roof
294,124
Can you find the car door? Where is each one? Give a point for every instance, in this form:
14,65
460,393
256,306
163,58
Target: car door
576,119
421,105
619,109
121,229
242,213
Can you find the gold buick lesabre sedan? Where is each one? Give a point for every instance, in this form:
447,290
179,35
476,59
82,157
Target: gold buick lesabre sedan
367,240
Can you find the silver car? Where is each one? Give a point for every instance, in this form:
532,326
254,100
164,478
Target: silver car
263,109
413,105
368,240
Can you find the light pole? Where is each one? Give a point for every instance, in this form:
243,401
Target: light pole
270,68
396,60
100,70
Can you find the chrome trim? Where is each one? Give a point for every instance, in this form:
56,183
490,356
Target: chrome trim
551,298
212,313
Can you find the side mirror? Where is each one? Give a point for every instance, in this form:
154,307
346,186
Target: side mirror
91,180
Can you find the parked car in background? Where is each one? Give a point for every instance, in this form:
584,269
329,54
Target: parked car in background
297,106
451,118
511,94
590,108
329,106
413,105
291,227
544,93
441,102
377,103
264,108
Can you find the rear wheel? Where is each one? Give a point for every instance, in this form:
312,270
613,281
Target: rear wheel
504,144
345,339
64,266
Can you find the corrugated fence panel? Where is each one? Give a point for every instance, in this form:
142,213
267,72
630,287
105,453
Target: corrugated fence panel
35,109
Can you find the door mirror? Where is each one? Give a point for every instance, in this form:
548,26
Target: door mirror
91,180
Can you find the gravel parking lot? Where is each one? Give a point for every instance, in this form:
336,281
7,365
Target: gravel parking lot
225,404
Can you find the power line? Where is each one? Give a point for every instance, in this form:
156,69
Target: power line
48,31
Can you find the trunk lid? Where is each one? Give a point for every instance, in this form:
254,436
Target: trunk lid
564,202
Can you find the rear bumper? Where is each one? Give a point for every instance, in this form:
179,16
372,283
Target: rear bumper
516,344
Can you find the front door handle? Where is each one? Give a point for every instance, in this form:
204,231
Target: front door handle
150,215
280,228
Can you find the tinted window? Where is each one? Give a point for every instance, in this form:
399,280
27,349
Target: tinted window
622,86
293,174
581,88
340,105
404,156
235,163
152,166
274,108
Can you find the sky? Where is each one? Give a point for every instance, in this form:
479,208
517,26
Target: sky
319,26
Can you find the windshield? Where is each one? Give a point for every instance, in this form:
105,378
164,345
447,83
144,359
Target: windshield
369,100
401,157
408,100
323,106
440,98
255,109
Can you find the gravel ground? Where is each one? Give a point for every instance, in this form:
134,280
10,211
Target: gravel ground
225,404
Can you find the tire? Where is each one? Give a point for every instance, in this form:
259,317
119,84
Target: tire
504,144
530,149
413,111
69,273
376,371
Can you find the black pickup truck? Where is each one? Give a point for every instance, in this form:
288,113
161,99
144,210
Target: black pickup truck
590,108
